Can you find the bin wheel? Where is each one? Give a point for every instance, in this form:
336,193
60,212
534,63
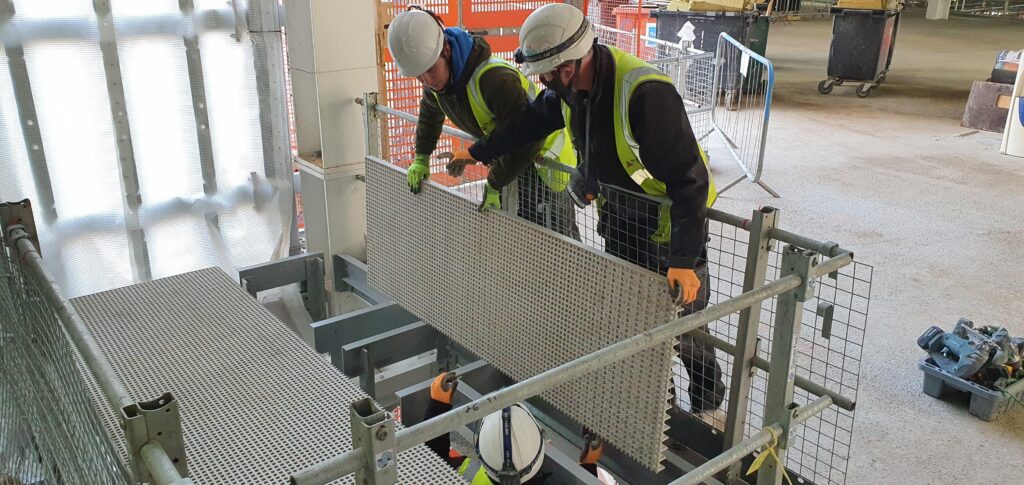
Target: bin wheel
864,90
839,82
880,79
825,86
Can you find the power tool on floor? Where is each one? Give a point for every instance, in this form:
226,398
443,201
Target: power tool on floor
987,355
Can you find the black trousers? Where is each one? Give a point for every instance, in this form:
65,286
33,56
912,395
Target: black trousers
544,207
627,223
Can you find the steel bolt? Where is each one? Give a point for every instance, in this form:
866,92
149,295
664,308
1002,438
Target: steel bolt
382,433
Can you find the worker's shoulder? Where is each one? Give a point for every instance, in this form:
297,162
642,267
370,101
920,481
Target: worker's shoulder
657,91
502,76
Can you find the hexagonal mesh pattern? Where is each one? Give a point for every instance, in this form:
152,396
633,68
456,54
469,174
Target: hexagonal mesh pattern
526,300
257,404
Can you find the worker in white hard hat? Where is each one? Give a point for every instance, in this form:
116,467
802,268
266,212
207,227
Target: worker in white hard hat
632,136
479,93
509,443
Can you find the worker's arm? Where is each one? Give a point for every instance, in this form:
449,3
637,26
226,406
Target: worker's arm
670,152
441,391
428,128
533,124
443,443
503,92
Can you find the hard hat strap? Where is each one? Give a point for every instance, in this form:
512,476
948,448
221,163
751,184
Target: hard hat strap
521,57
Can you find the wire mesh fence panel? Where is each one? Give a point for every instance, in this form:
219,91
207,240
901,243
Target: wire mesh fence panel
693,73
627,224
49,427
743,97
787,9
988,8
828,352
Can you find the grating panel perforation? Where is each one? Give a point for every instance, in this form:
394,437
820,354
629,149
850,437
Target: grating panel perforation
257,404
526,300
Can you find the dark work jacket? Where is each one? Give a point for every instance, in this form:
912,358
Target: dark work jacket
661,128
503,93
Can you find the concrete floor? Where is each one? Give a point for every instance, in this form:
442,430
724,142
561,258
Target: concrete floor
940,216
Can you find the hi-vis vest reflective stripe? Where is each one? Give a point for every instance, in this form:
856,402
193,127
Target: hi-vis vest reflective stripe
631,72
557,146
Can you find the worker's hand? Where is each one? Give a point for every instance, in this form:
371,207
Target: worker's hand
457,161
593,449
683,285
492,198
418,172
443,387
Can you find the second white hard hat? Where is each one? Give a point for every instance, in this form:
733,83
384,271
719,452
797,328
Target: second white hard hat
415,39
552,35
510,441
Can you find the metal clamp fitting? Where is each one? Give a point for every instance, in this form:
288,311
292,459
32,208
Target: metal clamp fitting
157,420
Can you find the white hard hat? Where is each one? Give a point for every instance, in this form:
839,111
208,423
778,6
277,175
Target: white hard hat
415,39
510,443
551,35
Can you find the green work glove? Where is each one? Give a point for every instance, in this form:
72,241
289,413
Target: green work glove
492,198
418,172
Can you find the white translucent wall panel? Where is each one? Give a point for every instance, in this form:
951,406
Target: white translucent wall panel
16,180
53,9
74,119
230,79
243,223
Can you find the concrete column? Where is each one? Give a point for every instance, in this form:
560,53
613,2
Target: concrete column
333,61
937,10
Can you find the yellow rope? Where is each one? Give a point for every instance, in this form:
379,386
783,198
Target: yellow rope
769,451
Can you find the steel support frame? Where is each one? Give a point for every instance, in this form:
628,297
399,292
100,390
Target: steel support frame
132,199
263,20
305,269
779,406
350,275
758,250
373,429
363,358
197,85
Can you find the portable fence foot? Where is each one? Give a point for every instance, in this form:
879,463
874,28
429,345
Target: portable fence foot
731,184
769,189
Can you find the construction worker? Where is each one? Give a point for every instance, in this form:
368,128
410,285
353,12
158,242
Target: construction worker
479,93
631,132
509,443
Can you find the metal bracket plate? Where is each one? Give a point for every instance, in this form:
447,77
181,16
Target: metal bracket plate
157,420
19,214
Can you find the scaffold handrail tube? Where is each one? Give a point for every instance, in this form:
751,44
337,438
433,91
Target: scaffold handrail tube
93,357
154,456
761,438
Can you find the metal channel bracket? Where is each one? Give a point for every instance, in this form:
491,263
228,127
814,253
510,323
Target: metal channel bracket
19,214
157,420
373,431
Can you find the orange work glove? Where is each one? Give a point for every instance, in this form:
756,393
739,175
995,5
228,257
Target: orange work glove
684,281
443,387
457,161
593,449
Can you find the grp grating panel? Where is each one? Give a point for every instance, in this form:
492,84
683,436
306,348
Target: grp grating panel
526,300
257,404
